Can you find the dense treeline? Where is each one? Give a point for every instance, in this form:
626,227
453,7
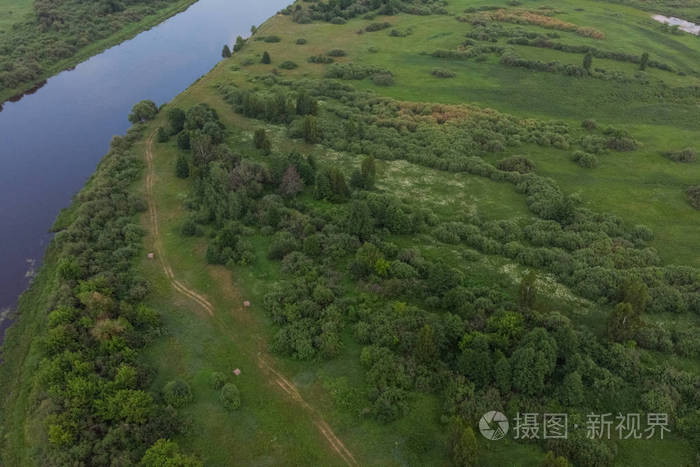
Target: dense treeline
90,384
57,30
340,11
424,325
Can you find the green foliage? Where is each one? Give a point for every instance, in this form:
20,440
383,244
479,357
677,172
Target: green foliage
226,51
311,133
143,111
624,322
161,135
177,393
176,119
265,58
464,447
166,453
182,166
230,396
692,193
288,65
261,141
518,164
684,155
217,379
527,296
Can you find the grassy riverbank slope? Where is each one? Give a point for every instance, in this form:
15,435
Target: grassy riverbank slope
397,224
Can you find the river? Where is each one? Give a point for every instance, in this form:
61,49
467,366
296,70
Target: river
52,140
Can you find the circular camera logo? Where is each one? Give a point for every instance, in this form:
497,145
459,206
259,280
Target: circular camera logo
493,425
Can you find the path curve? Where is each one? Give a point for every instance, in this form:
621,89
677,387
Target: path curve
263,362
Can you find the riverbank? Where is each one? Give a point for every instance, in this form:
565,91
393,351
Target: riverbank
129,32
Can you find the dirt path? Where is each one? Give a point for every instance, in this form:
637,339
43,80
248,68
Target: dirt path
263,361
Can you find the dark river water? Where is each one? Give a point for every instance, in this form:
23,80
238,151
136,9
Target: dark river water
52,140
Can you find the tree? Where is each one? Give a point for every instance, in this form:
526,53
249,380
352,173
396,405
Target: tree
588,61
182,167
643,61
551,460
339,188
527,295
572,389
636,293
143,111
369,172
261,141
176,118
183,140
177,393
306,105
501,373
322,187
240,42
265,58
162,135
624,322
166,453
359,220
464,447
230,396
226,52
312,134
291,183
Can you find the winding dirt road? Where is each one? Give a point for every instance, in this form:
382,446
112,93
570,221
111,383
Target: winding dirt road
263,361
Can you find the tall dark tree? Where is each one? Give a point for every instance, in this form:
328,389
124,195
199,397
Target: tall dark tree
624,322
182,167
527,295
643,61
369,172
261,141
176,118
240,42
359,220
306,104
588,61
226,52
265,58
311,132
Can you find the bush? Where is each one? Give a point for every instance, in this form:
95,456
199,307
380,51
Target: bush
288,65
230,396
217,379
338,20
336,53
301,41
693,195
177,393
685,155
377,26
320,59
383,79
265,58
272,39
442,73
589,124
518,164
584,159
